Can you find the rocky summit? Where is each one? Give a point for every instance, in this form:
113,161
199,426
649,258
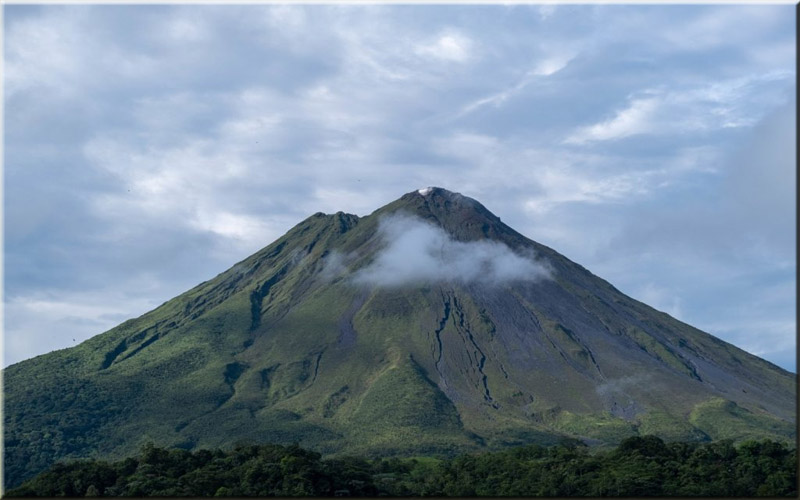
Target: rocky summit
427,327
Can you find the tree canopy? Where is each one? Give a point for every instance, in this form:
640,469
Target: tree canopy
638,466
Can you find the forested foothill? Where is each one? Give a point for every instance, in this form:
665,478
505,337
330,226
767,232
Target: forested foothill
638,466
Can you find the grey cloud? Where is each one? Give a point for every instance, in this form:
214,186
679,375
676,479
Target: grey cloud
620,385
417,251
356,114
334,266
752,202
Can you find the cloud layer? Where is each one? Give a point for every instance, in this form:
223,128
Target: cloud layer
646,142
419,252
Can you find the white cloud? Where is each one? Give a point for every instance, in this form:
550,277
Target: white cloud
553,64
58,53
730,103
230,225
189,185
43,52
547,65
497,99
637,118
418,252
449,47
547,178
369,57
563,186
667,112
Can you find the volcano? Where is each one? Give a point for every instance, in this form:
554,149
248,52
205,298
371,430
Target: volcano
427,327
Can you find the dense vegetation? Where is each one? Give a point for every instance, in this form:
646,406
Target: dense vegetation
639,466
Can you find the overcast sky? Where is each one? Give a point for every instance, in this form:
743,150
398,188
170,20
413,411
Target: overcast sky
149,148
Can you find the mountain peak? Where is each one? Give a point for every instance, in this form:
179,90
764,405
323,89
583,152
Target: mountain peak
430,190
462,217
439,192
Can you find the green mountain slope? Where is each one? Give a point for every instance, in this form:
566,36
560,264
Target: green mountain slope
302,342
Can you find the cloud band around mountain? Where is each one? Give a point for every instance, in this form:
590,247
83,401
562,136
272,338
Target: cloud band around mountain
419,252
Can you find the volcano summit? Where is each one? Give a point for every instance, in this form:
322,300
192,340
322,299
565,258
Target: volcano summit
426,327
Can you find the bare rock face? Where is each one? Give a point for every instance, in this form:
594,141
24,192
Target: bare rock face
427,327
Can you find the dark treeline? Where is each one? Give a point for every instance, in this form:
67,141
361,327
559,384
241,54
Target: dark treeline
639,466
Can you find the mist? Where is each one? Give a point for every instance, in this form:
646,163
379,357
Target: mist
419,252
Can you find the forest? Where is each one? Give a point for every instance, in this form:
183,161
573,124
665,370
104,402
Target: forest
638,466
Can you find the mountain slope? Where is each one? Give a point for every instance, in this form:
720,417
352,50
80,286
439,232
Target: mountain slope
428,327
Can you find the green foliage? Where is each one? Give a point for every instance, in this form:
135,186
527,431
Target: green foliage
668,427
723,419
403,405
638,467
602,426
